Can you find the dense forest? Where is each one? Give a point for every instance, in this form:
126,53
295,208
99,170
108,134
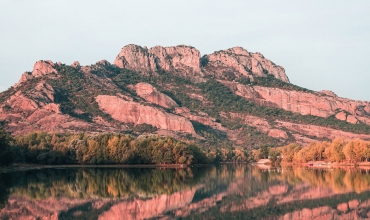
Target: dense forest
109,148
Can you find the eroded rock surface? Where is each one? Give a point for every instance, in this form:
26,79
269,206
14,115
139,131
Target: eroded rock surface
236,62
151,94
132,112
41,68
302,102
182,59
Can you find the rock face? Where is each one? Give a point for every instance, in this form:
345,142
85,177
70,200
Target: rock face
302,102
183,59
237,62
41,68
132,112
319,131
151,94
349,118
136,58
38,112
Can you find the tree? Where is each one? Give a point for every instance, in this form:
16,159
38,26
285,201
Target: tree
6,154
264,152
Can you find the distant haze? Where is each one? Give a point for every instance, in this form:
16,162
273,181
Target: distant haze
321,44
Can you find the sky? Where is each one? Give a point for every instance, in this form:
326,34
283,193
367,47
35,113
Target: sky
323,45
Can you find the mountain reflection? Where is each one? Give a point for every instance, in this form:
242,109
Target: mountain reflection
217,192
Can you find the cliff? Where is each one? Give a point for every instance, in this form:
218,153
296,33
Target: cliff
232,96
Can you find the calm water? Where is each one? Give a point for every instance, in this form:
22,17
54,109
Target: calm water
214,192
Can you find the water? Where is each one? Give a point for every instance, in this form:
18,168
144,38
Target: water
214,192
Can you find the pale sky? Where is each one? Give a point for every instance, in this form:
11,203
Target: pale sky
321,44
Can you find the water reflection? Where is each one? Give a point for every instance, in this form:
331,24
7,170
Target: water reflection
216,192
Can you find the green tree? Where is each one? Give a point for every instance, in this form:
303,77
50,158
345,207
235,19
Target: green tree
264,152
6,154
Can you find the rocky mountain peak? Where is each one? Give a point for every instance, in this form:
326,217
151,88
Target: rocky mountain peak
185,60
180,93
40,68
237,62
136,58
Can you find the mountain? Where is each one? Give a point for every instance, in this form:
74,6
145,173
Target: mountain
228,97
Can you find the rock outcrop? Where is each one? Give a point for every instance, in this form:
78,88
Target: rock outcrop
237,62
133,112
319,131
303,102
151,94
302,133
136,58
41,68
38,112
182,59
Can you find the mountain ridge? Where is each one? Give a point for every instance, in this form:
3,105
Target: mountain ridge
230,97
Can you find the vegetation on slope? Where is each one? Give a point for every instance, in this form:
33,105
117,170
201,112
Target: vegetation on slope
224,99
271,81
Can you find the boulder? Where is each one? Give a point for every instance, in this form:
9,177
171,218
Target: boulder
341,116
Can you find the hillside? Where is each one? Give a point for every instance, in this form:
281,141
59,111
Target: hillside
229,97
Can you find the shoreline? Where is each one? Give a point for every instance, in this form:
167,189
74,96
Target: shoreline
26,167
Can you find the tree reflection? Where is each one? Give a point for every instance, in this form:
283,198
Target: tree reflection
105,183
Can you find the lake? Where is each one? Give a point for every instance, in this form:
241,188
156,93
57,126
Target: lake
225,191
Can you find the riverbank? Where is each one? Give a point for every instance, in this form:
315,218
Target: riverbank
328,164
25,167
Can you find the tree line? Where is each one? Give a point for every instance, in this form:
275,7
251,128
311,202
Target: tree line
338,150
109,148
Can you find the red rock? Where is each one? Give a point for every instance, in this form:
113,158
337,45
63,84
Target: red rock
136,58
276,133
132,112
182,110
270,67
181,58
76,64
320,132
341,116
343,207
238,62
25,76
301,102
352,119
353,204
19,103
52,107
43,67
151,94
